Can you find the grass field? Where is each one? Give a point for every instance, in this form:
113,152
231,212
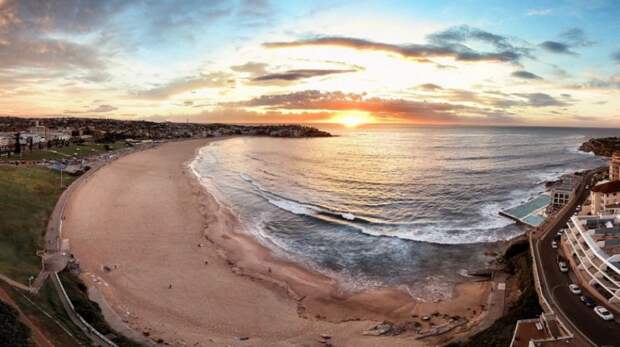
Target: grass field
71,151
27,197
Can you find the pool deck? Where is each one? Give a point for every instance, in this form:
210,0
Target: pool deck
529,213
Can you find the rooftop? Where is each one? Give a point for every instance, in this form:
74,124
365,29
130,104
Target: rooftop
607,188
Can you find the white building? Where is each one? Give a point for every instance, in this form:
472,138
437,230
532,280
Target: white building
562,191
594,246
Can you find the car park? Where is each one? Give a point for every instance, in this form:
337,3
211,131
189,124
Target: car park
603,313
574,288
563,266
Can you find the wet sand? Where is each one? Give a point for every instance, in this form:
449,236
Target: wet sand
179,267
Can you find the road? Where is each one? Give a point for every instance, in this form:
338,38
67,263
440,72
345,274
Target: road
581,320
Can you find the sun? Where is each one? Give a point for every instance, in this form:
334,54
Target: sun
352,119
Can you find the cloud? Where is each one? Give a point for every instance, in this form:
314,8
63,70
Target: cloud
253,68
464,33
26,28
576,37
557,47
444,46
541,99
182,85
539,12
98,109
382,108
525,75
616,56
612,82
571,38
429,86
294,75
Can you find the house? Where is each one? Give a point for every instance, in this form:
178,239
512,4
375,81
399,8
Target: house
562,190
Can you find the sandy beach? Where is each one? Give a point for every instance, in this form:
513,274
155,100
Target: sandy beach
163,258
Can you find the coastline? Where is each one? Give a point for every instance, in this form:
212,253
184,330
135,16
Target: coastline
242,289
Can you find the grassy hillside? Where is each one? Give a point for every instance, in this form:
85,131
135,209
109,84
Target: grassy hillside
27,199
28,195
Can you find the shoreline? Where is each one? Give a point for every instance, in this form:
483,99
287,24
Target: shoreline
300,303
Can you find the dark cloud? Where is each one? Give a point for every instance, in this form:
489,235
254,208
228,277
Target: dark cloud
182,85
526,75
294,75
557,47
419,52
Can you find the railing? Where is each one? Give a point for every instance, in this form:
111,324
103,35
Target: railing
75,317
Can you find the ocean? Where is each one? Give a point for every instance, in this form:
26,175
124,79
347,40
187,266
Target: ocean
407,206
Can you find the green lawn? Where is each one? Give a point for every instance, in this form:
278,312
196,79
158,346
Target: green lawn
27,197
74,150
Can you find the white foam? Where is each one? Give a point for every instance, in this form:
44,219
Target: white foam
294,207
348,216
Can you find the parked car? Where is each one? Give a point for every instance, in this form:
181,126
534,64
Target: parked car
603,313
574,289
563,266
554,244
588,301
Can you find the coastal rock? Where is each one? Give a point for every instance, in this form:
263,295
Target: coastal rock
602,146
379,329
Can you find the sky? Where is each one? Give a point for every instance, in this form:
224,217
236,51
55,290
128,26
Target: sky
549,63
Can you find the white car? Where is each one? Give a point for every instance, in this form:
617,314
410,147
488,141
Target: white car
554,244
574,289
563,266
603,313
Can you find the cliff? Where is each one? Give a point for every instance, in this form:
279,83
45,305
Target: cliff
602,146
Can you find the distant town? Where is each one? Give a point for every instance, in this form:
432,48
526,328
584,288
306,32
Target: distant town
23,135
